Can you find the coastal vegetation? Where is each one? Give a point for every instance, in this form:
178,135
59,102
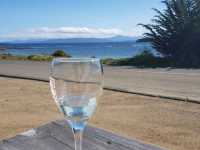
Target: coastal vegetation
143,60
57,53
39,57
175,32
29,58
60,53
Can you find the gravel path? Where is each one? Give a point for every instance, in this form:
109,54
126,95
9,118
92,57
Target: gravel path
183,83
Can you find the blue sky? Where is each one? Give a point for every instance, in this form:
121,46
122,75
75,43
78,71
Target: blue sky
72,18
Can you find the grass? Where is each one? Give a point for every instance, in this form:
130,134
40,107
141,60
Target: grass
29,58
40,57
58,53
10,57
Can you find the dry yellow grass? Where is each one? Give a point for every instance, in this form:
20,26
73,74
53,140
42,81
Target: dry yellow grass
175,125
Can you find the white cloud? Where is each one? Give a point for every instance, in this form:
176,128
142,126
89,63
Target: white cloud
76,30
66,32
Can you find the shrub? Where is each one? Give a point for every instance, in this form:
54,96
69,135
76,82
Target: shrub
107,61
60,53
117,62
40,57
145,59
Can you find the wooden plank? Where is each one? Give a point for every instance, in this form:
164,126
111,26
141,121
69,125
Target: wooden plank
58,136
110,140
35,139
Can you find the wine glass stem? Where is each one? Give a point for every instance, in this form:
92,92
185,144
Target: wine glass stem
78,134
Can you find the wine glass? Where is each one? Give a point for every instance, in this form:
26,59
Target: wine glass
76,84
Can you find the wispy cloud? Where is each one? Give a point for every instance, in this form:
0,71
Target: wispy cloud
66,32
63,32
76,30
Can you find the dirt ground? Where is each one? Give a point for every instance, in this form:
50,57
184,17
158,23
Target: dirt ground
175,125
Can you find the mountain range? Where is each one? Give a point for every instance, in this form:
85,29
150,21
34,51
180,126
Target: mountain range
78,40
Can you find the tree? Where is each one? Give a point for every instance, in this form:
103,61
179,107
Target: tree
175,32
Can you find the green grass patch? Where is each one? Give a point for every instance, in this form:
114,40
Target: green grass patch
58,53
39,58
30,57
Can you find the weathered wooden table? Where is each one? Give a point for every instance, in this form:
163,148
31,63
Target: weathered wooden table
58,136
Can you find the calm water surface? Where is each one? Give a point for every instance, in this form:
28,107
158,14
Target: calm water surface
100,50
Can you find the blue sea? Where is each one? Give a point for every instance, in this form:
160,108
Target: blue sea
100,50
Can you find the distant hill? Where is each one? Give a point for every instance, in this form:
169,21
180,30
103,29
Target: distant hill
123,39
79,40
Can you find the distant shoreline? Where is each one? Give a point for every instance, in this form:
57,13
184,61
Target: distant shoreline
139,61
26,58
100,50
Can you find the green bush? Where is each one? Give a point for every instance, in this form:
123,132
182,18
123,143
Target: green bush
147,60
60,53
107,61
30,57
144,60
40,57
117,62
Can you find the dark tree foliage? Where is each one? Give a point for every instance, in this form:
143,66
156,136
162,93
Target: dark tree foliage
60,53
175,32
